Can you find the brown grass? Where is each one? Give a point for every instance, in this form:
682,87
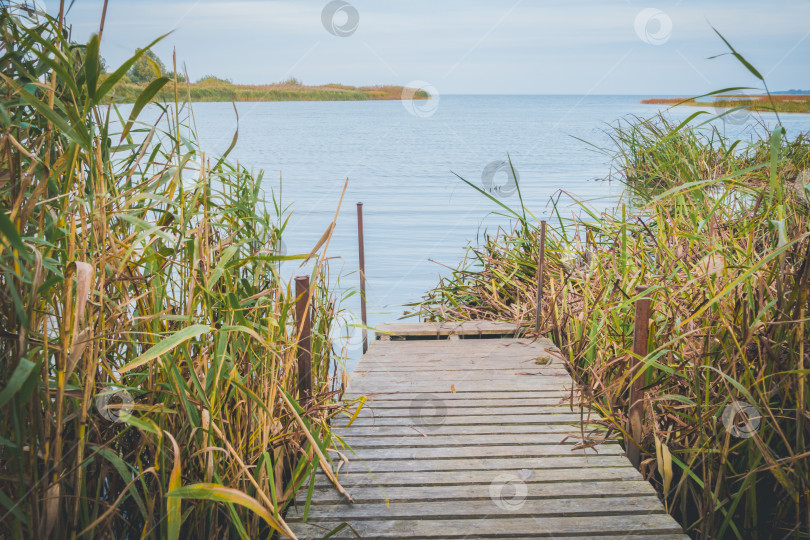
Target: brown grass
759,102
218,91
719,232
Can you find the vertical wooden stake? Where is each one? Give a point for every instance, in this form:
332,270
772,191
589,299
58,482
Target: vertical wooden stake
304,330
361,250
540,262
635,417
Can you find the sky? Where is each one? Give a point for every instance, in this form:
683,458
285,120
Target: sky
467,47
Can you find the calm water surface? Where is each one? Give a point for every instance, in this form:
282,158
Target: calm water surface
418,215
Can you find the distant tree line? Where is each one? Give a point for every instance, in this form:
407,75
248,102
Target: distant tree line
148,67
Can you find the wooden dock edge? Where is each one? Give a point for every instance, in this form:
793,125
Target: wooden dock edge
447,330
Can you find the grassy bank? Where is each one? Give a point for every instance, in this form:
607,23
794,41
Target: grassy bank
219,90
718,230
147,343
786,103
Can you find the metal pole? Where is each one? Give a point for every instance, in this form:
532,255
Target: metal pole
304,330
361,249
540,262
635,415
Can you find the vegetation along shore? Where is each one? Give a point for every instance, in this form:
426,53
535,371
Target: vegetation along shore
148,69
784,103
147,354
717,230
215,89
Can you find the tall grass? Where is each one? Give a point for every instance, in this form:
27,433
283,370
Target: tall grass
219,90
788,103
718,230
147,342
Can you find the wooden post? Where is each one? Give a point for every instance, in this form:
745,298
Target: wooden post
361,250
635,416
304,331
540,262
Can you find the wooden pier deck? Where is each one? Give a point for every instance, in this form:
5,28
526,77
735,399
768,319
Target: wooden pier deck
466,438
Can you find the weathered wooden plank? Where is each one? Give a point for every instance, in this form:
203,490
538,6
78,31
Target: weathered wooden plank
493,526
560,418
619,536
453,377
464,429
609,536
538,357
377,404
463,357
491,350
462,349
502,484
427,350
393,394
453,371
466,328
634,536
492,356
495,502
561,472
450,370
436,408
528,450
417,440
427,346
537,380
483,464
407,384
506,377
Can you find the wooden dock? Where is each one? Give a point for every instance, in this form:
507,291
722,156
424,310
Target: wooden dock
466,438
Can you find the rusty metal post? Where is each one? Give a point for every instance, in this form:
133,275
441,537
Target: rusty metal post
304,330
635,416
362,251
540,262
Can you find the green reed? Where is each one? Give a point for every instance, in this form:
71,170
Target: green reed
148,342
718,231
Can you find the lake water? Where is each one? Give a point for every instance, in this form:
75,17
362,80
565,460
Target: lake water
400,163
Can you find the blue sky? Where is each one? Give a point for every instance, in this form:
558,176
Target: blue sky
470,47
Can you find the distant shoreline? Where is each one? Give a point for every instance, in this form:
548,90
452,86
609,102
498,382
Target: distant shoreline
786,103
223,91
